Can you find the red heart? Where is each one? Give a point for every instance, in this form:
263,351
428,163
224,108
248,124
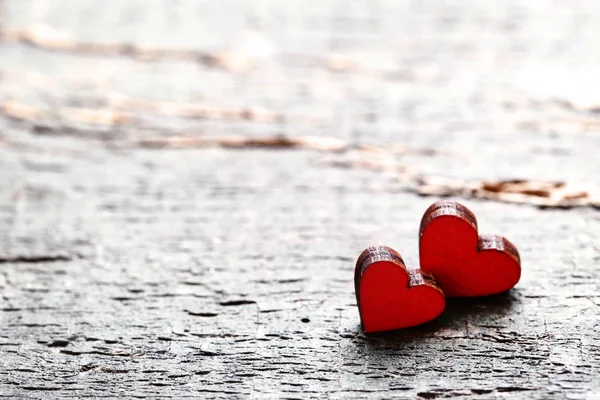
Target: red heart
390,297
463,263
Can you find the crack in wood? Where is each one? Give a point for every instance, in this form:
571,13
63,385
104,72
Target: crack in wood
201,314
26,259
236,303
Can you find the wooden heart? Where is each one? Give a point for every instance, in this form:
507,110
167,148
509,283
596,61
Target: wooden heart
391,297
463,263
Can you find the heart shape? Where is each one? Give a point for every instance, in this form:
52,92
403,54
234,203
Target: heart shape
464,263
391,297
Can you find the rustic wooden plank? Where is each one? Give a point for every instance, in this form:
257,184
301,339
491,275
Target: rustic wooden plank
226,271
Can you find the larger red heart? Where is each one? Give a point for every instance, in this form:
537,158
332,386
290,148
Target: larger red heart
391,297
463,263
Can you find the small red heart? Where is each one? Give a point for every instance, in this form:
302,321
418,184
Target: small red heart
463,263
390,297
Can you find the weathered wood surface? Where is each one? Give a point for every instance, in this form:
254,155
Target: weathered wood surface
134,265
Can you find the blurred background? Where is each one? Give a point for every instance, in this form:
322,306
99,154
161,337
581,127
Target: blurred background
426,74
193,180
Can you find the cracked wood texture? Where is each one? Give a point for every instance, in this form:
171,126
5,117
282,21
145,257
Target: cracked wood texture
221,271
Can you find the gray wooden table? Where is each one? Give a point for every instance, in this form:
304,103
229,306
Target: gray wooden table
185,187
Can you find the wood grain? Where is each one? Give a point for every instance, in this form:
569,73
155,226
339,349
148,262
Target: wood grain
227,273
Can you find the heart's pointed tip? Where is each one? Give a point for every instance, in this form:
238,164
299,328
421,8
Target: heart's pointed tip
474,291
